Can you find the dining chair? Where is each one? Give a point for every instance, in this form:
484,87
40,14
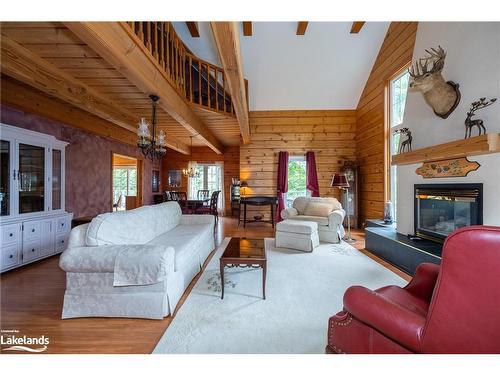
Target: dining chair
118,202
181,198
212,209
203,194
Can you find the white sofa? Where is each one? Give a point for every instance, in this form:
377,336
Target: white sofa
134,263
327,212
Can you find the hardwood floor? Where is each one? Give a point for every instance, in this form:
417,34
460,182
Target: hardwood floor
32,297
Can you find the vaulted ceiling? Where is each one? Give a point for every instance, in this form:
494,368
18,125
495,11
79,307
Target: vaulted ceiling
326,68
288,65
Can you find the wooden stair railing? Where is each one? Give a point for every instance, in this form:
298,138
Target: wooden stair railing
201,82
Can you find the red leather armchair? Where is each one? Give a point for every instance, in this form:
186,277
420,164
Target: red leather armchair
452,308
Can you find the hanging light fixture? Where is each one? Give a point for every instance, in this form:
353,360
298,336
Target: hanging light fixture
152,147
191,171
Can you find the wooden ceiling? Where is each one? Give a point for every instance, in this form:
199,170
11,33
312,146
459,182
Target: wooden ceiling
56,44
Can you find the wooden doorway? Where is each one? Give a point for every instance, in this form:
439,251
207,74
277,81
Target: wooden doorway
126,182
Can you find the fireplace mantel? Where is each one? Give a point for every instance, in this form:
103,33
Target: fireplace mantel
479,145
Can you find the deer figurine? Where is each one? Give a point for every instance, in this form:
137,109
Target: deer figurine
469,123
406,144
442,96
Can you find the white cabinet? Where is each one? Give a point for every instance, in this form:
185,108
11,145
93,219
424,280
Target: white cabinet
10,234
33,221
11,256
25,241
47,237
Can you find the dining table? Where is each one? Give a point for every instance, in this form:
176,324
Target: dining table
193,204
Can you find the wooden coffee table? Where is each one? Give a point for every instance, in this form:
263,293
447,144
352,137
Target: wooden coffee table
244,252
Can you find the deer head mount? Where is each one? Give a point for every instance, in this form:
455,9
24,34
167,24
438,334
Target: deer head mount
442,96
470,123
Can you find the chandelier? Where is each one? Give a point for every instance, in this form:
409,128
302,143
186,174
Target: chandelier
152,147
191,171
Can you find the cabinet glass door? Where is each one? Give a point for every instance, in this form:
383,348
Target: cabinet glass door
31,178
5,161
56,179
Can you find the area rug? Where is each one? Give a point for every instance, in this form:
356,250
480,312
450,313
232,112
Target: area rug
303,290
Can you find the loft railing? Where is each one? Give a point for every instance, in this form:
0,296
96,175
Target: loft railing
201,82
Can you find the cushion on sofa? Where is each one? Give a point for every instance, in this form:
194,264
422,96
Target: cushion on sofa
98,259
185,241
322,209
301,204
134,227
321,221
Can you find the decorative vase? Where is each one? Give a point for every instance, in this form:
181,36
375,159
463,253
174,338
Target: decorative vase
388,213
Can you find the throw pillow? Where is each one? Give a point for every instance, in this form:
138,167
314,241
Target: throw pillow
318,209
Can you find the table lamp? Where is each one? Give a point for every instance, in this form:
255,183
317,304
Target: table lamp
243,186
340,181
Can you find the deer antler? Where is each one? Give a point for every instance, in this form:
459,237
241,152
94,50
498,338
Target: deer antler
436,56
481,103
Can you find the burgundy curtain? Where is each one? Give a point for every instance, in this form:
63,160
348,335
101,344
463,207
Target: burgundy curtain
282,182
311,176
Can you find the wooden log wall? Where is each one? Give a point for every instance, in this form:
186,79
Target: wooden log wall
177,161
329,133
395,52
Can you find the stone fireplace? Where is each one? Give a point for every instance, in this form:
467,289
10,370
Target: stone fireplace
439,209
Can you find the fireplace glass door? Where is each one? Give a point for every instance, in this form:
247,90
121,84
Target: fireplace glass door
440,211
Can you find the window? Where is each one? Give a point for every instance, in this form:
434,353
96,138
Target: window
296,179
124,180
211,178
398,88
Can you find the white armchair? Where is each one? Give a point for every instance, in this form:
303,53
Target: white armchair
327,212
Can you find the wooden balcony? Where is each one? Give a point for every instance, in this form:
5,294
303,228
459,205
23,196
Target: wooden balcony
200,82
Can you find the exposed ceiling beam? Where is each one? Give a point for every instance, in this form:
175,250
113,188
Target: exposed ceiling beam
26,98
193,29
31,69
119,46
302,27
227,39
356,27
247,29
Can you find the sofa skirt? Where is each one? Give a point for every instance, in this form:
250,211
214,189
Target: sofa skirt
328,235
93,295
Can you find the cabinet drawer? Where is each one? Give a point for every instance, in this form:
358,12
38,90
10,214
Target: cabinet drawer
31,231
46,249
63,225
10,234
61,243
10,256
31,250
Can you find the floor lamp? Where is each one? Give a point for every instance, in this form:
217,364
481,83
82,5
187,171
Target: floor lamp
340,181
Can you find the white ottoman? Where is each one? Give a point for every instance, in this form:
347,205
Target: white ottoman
297,234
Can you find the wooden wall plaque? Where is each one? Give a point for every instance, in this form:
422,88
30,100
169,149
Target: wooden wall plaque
459,167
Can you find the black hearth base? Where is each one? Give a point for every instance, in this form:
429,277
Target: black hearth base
399,250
